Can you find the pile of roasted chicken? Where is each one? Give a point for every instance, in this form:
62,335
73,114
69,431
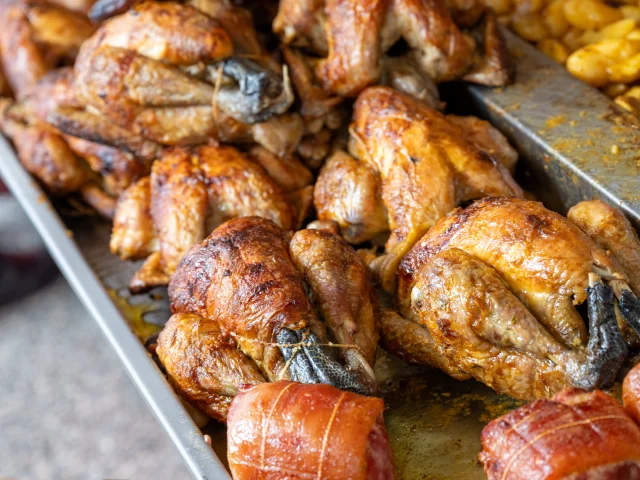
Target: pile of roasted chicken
288,170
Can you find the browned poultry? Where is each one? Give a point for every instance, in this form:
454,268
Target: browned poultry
610,229
414,165
299,307
352,38
491,291
66,164
171,73
191,192
577,435
36,37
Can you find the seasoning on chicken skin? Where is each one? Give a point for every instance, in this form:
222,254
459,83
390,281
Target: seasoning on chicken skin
494,299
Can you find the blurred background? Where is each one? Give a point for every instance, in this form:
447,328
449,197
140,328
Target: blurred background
68,409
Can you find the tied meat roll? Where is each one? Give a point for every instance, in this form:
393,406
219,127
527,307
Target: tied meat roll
300,431
577,435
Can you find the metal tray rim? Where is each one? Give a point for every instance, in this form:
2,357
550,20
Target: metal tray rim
200,459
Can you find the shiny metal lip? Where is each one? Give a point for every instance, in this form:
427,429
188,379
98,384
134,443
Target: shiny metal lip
564,129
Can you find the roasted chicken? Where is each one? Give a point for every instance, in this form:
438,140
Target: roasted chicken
173,74
297,307
294,431
191,192
36,37
577,435
410,166
491,291
66,164
353,37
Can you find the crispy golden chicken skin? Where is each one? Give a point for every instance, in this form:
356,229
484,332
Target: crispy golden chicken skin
493,289
301,308
190,193
169,72
576,435
35,37
417,165
203,364
609,228
348,192
354,36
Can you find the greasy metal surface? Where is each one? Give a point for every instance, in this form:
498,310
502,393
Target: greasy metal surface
569,132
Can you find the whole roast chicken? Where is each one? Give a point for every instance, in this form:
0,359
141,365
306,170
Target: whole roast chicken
253,303
493,291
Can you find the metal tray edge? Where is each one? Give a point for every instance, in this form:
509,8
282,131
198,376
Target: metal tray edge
164,404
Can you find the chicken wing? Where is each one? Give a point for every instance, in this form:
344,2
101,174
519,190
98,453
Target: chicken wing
494,287
134,235
43,152
243,277
203,364
348,192
609,228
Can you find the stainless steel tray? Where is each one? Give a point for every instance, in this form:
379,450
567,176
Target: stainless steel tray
564,130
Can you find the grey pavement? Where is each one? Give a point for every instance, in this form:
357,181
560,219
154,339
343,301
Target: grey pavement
67,408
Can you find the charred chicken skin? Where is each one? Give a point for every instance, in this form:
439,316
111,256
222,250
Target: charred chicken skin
173,74
576,435
297,307
491,292
411,165
191,192
295,431
352,38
